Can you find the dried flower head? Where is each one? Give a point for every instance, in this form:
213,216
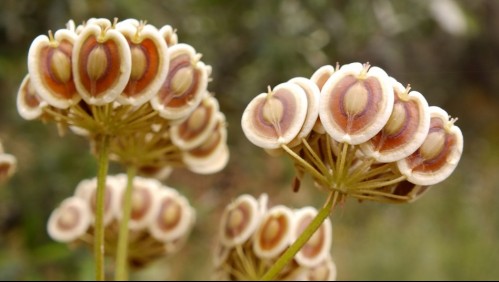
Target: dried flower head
373,139
8,165
253,236
160,223
130,81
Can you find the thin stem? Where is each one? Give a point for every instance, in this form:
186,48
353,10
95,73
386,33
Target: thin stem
317,160
378,184
122,252
305,164
99,248
288,255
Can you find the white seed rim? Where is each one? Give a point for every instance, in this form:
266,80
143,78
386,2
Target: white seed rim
185,222
326,227
138,34
260,139
416,140
249,227
83,220
434,177
285,239
332,128
36,77
93,28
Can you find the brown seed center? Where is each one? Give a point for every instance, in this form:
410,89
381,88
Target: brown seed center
355,99
182,80
97,63
68,218
139,63
235,219
197,118
433,145
60,66
271,230
170,214
397,119
273,111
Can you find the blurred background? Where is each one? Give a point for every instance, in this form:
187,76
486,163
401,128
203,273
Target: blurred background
447,50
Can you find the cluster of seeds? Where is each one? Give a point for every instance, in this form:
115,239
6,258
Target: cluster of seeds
358,132
160,222
253,236
133,82
8,164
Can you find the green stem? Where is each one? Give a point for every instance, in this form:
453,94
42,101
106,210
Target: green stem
288,255
122,252
99,248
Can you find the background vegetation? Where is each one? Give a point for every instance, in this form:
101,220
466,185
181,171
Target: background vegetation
447,50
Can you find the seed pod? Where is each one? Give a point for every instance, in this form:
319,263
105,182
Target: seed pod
29,104
213,154
220,255
69,221
275,118
169,35
239,221
325,271
8,165
321,75
313,96
49,64
318,246
159,172
185,85
355,103
101,63
439,154
407,189
87,190
198,126
274,233
144,202
405,130
173,216
149,62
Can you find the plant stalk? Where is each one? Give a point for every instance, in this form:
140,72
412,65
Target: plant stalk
291,251
99,248
121,273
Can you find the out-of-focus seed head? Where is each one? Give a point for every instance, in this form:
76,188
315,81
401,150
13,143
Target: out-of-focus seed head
318,246
213,154
198,126
69,221
87,190
8,166
144,202
29,104
173,217
185,85
274,233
